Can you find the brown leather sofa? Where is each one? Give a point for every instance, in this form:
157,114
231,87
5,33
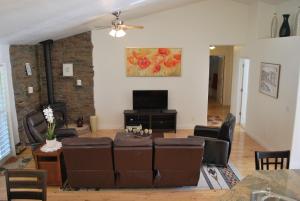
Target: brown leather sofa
89,162
177,162
133,162
95,163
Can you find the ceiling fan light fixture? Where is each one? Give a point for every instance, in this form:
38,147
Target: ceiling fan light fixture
117,33
212,47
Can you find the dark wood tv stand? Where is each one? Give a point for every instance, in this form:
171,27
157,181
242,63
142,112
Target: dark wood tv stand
157,120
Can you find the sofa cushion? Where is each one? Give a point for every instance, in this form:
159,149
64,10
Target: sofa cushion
178,142
132,142
86,141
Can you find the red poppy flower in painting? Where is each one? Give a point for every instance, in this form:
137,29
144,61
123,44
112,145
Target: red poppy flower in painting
131,60
177,57
156,68
171,62
158,59
164,51
143,62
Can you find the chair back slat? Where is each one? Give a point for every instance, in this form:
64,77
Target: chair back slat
26,195
265,159
26,184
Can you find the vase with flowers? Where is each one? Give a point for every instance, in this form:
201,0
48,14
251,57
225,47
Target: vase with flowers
50,136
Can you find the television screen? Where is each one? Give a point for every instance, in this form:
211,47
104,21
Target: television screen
150,99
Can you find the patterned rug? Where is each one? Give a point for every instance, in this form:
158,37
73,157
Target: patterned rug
213,177
214,120
15,163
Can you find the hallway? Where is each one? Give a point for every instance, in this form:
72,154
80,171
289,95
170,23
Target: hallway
216,113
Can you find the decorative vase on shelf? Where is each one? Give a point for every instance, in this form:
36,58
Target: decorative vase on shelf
297,23
274,26
285,29
80,122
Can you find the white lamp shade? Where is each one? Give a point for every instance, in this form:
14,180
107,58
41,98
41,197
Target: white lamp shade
113,33
117,33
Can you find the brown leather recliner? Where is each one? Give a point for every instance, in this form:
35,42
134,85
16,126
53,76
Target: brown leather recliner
218,141
133,162
177,162
35,127
89,162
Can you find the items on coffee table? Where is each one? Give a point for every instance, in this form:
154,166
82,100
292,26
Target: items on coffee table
138,131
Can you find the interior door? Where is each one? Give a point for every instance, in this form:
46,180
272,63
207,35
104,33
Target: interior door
244,91
220,86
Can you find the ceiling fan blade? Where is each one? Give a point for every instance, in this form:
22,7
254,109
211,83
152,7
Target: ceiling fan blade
102,27
124,26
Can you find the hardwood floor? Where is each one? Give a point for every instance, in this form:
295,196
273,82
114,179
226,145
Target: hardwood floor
242,157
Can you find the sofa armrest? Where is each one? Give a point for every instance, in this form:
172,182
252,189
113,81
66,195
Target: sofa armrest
62,133
215,151
206,131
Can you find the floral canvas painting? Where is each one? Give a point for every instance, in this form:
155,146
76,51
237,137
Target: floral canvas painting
153,62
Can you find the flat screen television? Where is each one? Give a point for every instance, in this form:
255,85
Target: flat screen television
150,99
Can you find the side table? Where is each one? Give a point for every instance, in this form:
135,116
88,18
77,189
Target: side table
52,162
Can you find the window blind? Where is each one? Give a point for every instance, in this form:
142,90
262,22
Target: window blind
5,147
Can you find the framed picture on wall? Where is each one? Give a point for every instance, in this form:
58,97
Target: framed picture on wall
153,62
269,79
68,70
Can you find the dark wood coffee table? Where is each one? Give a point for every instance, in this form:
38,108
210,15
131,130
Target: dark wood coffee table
123,134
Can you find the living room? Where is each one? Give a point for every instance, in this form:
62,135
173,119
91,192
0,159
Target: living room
89,74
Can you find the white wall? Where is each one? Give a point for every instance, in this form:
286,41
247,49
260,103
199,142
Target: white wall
235,104
271,121
295,151
5,58
193,28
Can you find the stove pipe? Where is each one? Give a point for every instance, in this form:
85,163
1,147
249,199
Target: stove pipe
47,46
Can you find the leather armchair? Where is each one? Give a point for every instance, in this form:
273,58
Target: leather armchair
218,141
177,162
35,127
89,162
133,162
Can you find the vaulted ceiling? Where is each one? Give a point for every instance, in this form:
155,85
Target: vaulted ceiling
31,21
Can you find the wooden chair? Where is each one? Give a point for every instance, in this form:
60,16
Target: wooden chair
278,158
26,184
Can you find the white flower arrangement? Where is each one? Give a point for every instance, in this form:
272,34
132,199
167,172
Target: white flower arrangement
48,113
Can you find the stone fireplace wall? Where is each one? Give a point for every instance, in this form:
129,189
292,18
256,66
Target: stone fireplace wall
79,100
77,50
25,103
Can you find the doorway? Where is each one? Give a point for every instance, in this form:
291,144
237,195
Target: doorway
219,84
216,79
244,74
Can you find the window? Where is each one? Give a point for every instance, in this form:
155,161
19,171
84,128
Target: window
5,148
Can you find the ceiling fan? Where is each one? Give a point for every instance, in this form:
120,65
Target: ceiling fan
118,27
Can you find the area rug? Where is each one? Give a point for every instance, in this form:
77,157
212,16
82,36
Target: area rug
211,177
214,120
15,163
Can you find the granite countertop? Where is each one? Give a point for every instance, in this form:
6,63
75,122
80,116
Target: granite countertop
284,182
